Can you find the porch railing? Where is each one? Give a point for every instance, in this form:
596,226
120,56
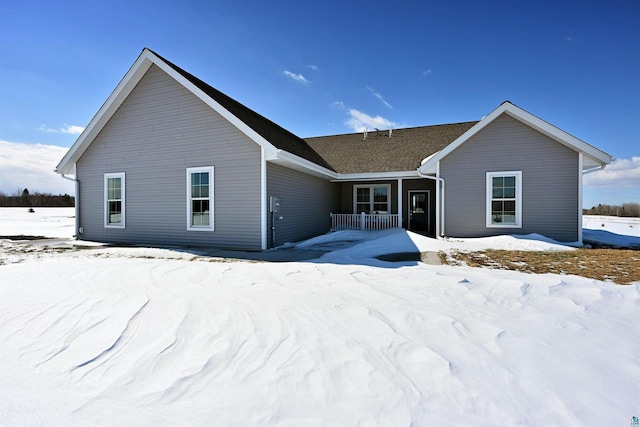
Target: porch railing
364,222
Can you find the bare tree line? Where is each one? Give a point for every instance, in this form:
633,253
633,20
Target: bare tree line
626,210
22,198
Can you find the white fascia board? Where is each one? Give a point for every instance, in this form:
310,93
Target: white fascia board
375,176
292,161
557,134
530,120
106,111
242,126
122,91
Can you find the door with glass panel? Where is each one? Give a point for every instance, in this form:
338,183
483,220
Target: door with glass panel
419,210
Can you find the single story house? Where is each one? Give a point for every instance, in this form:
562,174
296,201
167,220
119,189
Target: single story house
169,160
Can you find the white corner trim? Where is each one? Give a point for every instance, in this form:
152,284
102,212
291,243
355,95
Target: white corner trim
263,200
580,189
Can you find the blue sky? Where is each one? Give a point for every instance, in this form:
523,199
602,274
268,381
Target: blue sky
329,67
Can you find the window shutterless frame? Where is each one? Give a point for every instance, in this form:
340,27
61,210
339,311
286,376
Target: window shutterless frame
200,199
504,199
114,200
372,198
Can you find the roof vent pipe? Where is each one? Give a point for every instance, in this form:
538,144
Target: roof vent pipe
390,131
365,133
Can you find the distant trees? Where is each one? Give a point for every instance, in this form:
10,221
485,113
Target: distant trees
626,210
22,198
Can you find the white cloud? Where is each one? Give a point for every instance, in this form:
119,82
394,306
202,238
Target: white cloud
339,105
380,97
427,73
70,129
621,173
31,166
297,77
358,121
312,67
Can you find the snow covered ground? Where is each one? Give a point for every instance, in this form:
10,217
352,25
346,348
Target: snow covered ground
612,230
142,336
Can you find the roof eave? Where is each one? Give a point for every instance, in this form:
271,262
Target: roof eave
122,91
598,156
292,161
106,111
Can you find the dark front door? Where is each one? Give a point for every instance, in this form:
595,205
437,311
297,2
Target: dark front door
419,211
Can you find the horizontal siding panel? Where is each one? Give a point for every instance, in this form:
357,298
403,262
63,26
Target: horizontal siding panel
158,132
305,204
549,176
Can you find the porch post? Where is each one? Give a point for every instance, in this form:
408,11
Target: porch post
400,202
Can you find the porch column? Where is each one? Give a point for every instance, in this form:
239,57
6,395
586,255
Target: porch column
400,202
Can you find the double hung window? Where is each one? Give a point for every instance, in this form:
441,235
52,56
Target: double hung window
372,198
504,199
200,199
114,200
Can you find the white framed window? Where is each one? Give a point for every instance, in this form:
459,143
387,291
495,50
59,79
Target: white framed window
200,198
504,199
114,200
372,198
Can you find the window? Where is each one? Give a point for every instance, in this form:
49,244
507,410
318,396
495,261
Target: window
372,198
114,200
504,199
200,199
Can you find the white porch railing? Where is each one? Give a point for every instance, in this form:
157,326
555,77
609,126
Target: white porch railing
363,221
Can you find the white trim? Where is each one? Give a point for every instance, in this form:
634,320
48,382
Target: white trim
580,189
532,121
108,176
298,163
489,198
210,227
375,176
263,200
371,195
106,111
122,91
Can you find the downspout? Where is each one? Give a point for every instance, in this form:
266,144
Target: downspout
439,215
76,202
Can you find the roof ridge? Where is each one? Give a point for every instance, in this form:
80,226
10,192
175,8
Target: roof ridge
394,129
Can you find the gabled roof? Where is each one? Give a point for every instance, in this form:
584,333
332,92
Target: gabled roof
335,157
593,157
279,143
403,151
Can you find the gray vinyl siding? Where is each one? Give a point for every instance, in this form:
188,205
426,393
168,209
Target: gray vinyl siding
161,130
305,204
549,181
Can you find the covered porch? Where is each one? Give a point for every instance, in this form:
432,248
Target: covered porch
411,203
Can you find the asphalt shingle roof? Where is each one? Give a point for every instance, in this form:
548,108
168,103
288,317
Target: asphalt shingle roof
347,153
275,134
351,153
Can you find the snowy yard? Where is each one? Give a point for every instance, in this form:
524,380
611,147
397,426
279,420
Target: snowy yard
143,336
